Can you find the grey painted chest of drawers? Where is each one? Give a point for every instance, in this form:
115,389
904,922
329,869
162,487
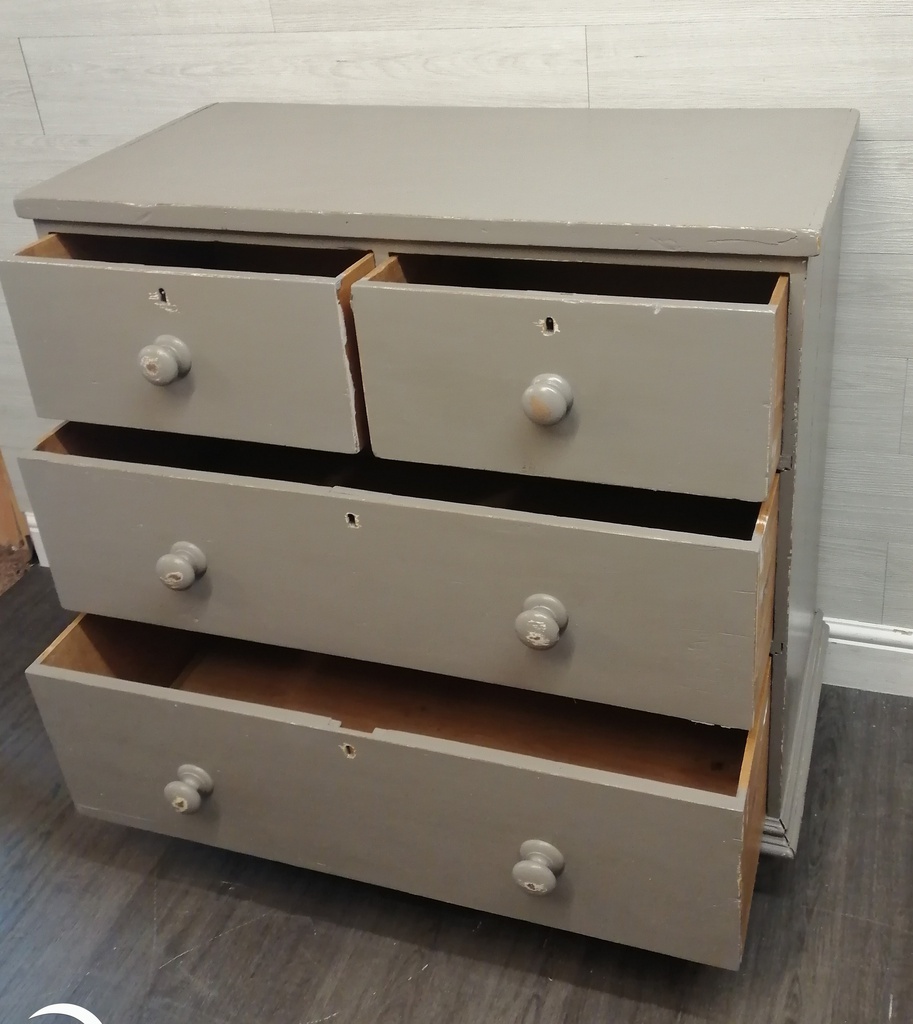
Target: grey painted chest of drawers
441,489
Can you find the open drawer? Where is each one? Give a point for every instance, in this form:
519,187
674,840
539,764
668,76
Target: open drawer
652,601
423,784
654,377
230,340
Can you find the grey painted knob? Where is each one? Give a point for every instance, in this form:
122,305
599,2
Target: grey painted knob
548,399
186,793
184,564
166,359
539,867
542,621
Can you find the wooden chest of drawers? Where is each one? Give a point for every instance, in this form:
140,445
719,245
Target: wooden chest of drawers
441,489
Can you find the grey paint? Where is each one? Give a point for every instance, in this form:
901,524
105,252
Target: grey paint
659,621
784,777
438,818
670,395
784,823
268,350
186,793
799,546
733,181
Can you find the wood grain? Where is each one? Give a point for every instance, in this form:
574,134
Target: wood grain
879,198
906,427
366,697
851,61
851,577
147,17
18,112
875,305
291,15
112,84
768,522
122,650
898,591
27,158
780,301
867,403
13,530
753,782
869,496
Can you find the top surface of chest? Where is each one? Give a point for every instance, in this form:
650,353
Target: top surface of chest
716,181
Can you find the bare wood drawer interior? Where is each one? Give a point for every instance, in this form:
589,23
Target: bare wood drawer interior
201,255
568,276
685,513
364,697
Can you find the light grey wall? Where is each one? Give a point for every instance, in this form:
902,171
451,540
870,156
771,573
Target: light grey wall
76,78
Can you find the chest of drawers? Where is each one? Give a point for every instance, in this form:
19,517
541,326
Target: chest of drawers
440,490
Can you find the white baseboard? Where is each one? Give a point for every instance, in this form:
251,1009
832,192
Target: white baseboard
870,656
35,534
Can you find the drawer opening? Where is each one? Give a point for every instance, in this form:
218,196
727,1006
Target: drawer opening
364,697
601,503
654,282
164,252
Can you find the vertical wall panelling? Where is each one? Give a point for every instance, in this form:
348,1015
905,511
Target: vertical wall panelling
134,83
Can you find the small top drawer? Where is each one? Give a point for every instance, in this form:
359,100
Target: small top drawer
651,377
251,342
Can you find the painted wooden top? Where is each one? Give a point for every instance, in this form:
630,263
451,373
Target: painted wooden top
714,181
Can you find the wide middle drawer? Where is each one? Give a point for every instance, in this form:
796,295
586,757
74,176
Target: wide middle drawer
668,599
234,340
656,377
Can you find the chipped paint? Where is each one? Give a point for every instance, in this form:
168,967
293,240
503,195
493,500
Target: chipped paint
547,328
164,304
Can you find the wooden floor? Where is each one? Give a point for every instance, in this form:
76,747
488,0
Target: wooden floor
145,930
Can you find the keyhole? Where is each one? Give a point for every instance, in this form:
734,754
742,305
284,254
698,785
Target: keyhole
162,296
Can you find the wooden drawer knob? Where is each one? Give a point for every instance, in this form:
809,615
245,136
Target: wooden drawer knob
165,360
548,399
542,621
539,867
182,566
186,793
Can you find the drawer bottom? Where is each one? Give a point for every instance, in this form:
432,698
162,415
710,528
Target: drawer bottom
609,822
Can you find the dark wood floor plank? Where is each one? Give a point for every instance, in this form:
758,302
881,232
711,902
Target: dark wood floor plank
144,929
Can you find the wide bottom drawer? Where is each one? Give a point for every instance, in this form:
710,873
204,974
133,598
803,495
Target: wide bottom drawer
613,823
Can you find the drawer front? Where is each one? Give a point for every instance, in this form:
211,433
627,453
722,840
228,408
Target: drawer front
650,864
664,622
661,394
268,354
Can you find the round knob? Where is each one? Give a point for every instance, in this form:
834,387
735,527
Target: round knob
166,359
538,870
182,566
548,399
542,621
186,793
